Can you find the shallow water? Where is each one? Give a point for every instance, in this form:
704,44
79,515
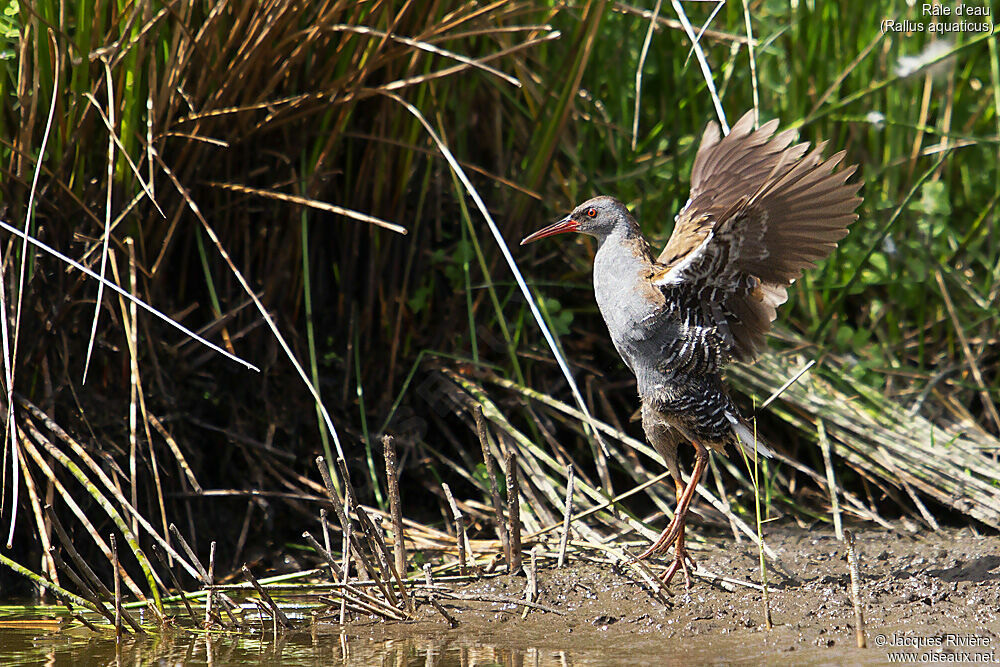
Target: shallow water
916,589
43,643
28,647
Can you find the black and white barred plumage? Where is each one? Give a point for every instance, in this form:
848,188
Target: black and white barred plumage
761,211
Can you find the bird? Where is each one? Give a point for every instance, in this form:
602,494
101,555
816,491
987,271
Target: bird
762,209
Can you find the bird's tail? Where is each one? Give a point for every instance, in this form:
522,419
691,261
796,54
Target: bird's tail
747,440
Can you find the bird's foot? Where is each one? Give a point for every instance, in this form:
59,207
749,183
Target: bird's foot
682,560
663,542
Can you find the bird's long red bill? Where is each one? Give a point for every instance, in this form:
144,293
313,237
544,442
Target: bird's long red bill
561,227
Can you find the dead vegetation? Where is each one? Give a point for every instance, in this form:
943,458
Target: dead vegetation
249,170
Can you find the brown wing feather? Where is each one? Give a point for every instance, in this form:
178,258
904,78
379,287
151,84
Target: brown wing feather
761,211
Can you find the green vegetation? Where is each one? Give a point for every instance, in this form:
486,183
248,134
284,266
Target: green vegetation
264,162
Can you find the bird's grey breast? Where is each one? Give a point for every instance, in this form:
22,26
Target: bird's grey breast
628,302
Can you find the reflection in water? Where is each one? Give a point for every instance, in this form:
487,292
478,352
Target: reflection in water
44,644
51,642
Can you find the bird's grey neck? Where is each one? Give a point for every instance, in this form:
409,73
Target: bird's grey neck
620,234
627,300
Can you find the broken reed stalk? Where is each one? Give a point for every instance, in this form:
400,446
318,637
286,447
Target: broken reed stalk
383,582
375,543
60,592
260,614
358,600
118,590
493,563
357,596
85,569
491,472
85,590
381,551
208,585
202,572
452,621
384,612
190,553
395,507
324,553
531,589
80,617
852,566
377,546
567,515
227,604
274,627
324,524
513,511
345,554
279,616
456,515
831,479
226,607
177,584
339,508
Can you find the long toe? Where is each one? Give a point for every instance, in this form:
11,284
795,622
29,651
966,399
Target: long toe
686,560
663,542
683,562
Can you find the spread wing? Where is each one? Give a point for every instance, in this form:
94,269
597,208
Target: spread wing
761,211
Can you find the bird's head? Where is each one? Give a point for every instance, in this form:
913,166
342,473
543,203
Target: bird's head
598,217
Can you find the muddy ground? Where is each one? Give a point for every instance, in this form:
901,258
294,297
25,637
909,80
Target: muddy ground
935,596
940,591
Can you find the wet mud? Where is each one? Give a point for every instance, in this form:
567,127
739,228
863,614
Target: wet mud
933,595
927,598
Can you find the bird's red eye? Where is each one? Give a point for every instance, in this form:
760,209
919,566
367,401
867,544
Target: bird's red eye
591,212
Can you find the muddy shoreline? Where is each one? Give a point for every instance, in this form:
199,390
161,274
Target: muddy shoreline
929,592
935,596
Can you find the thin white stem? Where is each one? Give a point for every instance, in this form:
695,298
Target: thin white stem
110,122
638,70
110,285
703,62
15,453
590,424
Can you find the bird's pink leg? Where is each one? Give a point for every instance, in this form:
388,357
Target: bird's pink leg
674,532
681,561
681,556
